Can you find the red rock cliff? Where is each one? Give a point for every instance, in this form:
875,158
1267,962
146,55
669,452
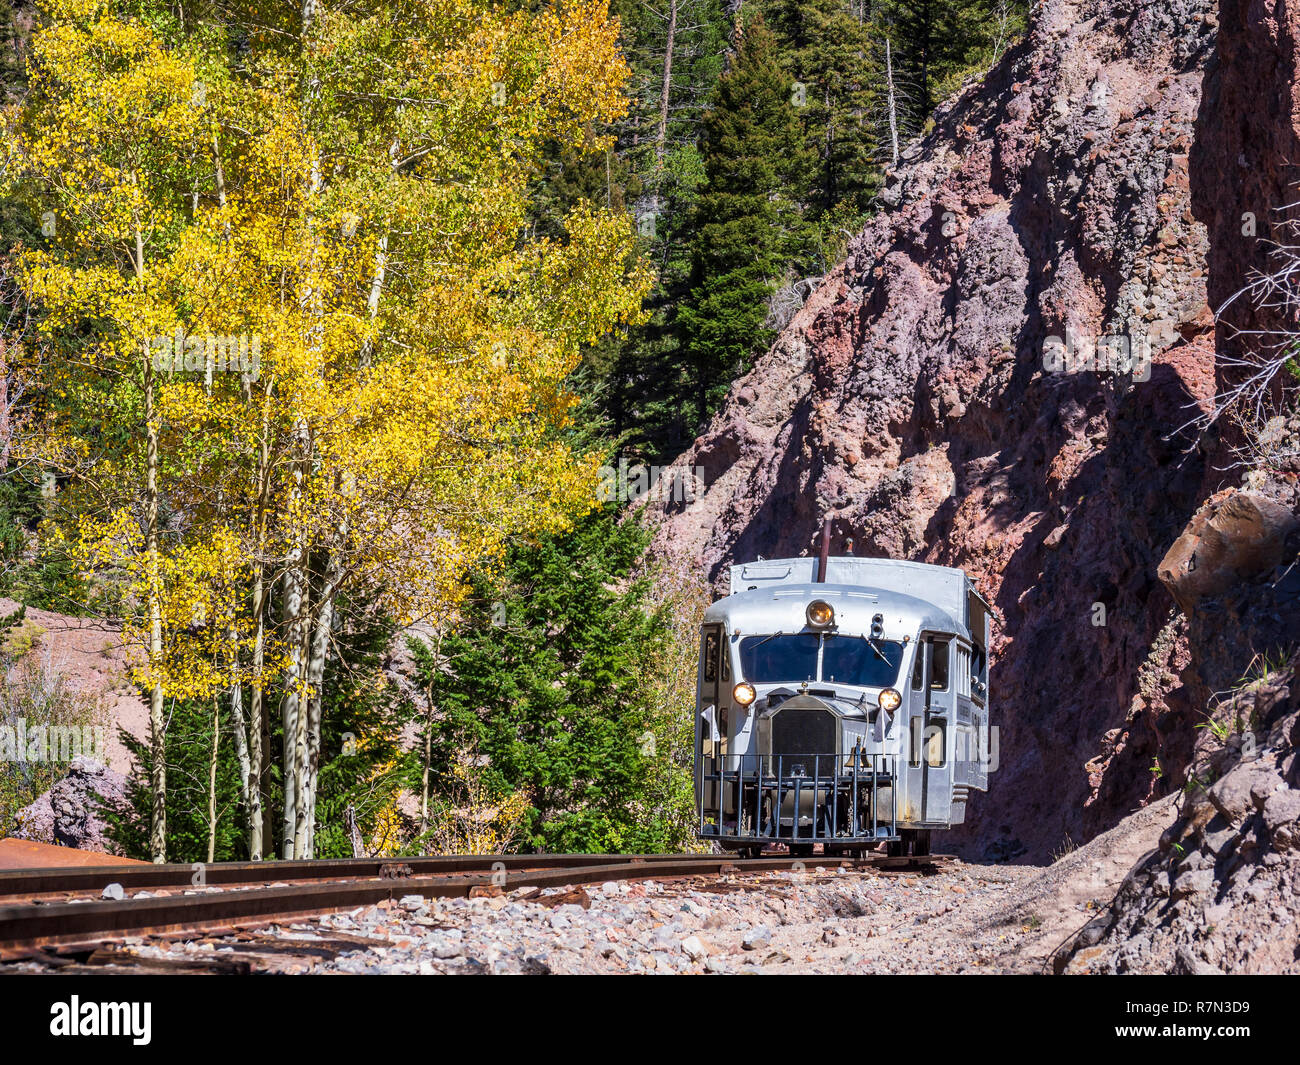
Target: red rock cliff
912,403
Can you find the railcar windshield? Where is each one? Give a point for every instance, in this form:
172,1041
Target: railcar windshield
846,659
853,660
765,659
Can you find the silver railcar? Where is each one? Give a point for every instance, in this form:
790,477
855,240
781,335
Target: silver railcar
841,701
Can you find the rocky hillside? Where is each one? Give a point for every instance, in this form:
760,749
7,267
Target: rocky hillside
1093,186
1221,892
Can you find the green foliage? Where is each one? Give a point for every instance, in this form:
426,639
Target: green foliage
938,43
53,582
829,52
641,382
719,248
50,580
363,764
20,510
754,152
189,740
13,66
547,681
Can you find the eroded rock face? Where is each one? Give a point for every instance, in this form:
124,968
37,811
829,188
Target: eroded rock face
910,402
71,814
1245,162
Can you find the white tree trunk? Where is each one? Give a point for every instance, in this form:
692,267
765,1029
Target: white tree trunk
248,787
294,719
157,723
310,768
893,108
212,780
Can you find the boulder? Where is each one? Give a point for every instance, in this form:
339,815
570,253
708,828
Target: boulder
71,814
1238,538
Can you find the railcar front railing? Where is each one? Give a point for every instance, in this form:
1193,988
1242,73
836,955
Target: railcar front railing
812,798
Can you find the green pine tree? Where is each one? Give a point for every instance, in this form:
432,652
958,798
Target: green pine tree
940,42
750,222
545,682
829,52
642,382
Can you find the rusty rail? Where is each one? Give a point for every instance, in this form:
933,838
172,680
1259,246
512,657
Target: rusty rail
26,928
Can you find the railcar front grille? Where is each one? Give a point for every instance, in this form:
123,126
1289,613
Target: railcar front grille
800,731
845,798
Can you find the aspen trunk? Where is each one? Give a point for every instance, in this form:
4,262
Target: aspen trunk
212,780
297,622
428,737
297,576
354,833
310,769
256,726
304,635
291,706
424,779
157,724
372,301
259,827
248,787
893,109
6,431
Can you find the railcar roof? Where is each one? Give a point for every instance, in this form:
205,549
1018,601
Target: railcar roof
780,608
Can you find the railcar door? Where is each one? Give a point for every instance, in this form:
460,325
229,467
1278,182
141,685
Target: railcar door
710,734
933,731
967,766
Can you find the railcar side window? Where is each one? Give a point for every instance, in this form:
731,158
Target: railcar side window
936,743
918,670
929,741
939,666
711,656
725,652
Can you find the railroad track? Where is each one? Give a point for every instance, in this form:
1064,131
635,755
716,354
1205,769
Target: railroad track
46,910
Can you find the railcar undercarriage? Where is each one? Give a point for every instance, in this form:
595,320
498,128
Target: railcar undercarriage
846,803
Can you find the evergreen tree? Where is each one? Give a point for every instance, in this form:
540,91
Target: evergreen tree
676,50
545,684
829,52
644,385
941,41
749,221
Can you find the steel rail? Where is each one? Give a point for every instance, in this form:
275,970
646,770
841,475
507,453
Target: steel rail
221,874
27,928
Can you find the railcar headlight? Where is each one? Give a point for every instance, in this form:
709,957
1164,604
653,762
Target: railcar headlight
889,700
744,693
820,614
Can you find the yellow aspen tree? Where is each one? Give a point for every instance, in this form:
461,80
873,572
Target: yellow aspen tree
94,143
350,204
